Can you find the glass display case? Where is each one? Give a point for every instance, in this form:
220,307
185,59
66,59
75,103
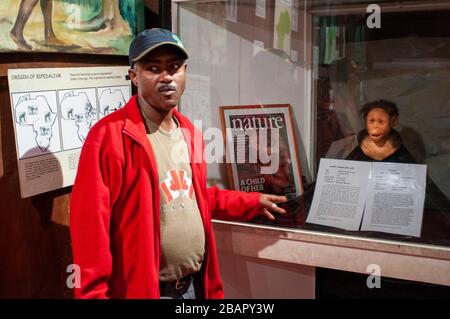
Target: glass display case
326,59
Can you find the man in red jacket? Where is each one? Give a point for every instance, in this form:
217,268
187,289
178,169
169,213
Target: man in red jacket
140,210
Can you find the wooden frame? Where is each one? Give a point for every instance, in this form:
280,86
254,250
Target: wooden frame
251,168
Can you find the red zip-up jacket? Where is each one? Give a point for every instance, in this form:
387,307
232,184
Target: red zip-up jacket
115,209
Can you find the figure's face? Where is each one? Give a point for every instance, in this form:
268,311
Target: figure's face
379,124
281,178
160,78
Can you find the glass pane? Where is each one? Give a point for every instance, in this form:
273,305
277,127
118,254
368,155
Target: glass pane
327,59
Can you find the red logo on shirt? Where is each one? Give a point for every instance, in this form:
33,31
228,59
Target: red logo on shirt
177,183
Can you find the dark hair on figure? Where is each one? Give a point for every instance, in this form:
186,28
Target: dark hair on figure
390,107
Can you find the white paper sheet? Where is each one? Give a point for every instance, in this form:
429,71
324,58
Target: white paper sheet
340,194
396,198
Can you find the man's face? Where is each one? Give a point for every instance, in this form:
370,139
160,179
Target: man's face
160,78
379,124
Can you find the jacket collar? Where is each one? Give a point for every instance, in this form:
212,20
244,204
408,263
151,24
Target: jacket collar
135,126
134,122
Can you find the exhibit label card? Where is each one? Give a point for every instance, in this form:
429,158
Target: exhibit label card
260,9
261,149
396,199
53,110
282,25
387,197
340,194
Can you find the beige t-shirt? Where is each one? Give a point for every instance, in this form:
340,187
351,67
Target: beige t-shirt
182,232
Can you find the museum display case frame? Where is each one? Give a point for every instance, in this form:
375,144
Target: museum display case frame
397,256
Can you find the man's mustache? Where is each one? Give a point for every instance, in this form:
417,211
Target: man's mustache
167,87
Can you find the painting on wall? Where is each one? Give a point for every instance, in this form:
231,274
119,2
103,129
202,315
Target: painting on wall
75,26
